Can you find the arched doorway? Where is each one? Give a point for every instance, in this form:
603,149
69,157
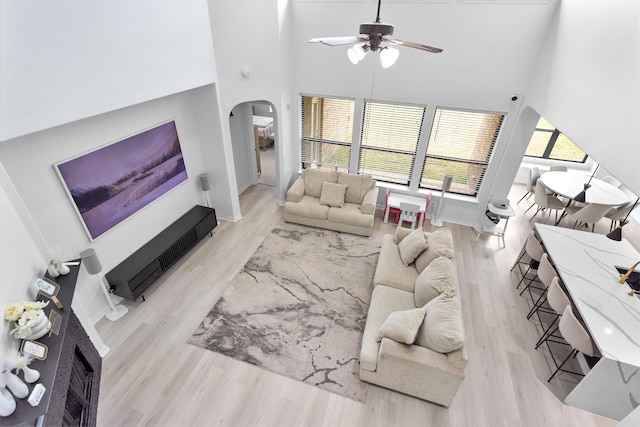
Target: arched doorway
254,138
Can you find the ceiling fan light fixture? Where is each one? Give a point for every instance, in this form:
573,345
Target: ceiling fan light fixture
388,56
356,53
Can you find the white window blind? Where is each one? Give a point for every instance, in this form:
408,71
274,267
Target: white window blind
327,126
390,135
461,143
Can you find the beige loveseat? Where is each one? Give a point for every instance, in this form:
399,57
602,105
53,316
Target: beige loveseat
333,200
413,340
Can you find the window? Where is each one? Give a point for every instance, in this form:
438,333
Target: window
327,126
547,142
390,135
460,144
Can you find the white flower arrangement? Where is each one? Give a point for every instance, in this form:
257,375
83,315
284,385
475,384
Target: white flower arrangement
25,315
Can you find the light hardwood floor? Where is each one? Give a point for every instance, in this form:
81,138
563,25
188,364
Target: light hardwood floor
152,377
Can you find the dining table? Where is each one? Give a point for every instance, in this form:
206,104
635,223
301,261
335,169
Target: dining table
589,265
570,184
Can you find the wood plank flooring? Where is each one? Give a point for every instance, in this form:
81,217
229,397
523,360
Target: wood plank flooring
151,377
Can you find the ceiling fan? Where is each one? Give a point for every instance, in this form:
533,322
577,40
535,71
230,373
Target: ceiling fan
371,38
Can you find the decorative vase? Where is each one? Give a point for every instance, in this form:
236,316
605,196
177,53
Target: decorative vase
7,403
63,269
14,384
52,270
30,375
41,327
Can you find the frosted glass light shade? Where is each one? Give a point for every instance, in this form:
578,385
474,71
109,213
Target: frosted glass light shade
356,53
389,56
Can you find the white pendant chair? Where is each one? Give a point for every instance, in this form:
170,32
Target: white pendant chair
546,274
558,300
577,336
589,214
546,201
534,250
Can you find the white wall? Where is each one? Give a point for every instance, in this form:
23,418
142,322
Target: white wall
29,159
20,260
489,53
586,82
66,60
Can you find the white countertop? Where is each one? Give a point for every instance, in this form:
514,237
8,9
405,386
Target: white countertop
569,184
586,264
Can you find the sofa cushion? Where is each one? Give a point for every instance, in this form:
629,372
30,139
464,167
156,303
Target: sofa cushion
332,194
412,246
313,179
439,243
390,270
357,186
442,329
402,326
309,207
384,301
439,277
350,214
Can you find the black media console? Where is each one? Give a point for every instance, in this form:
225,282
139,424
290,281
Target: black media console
138,272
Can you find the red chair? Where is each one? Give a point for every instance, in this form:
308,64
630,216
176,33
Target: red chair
392,210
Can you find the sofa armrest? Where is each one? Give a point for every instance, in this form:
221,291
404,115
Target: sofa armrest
296,191
420,358
418,371
369,202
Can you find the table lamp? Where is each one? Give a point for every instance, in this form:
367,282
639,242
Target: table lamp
92,265
581,197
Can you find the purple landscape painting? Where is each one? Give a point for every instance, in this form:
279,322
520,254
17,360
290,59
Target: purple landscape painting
112,183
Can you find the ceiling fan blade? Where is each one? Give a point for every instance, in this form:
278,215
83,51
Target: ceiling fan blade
414,45
337,41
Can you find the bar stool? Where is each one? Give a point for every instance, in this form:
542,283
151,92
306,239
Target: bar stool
558,301
577,336
546,274
534,249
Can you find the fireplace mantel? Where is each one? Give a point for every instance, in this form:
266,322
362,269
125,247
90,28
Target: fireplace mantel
72,359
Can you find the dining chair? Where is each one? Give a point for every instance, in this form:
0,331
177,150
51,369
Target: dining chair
392,210
534,174
558,300
578,338
534,250
408,213
619,213
611,180
589,214
558,169
546,274
546,201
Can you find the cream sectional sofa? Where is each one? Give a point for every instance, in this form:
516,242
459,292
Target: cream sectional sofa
413,340
333,200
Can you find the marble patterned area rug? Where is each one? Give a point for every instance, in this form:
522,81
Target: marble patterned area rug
298,308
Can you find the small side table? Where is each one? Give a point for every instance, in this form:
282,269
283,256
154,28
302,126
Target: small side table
499,213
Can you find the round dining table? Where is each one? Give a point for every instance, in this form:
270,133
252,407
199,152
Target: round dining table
570,184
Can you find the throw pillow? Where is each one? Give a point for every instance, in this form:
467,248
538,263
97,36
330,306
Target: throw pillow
411,246
357,186
402,326
313,179
332,194
439,277
442,328
440,244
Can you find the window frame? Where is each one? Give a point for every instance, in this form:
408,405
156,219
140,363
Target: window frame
450,158
315,121
362,147
551,142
